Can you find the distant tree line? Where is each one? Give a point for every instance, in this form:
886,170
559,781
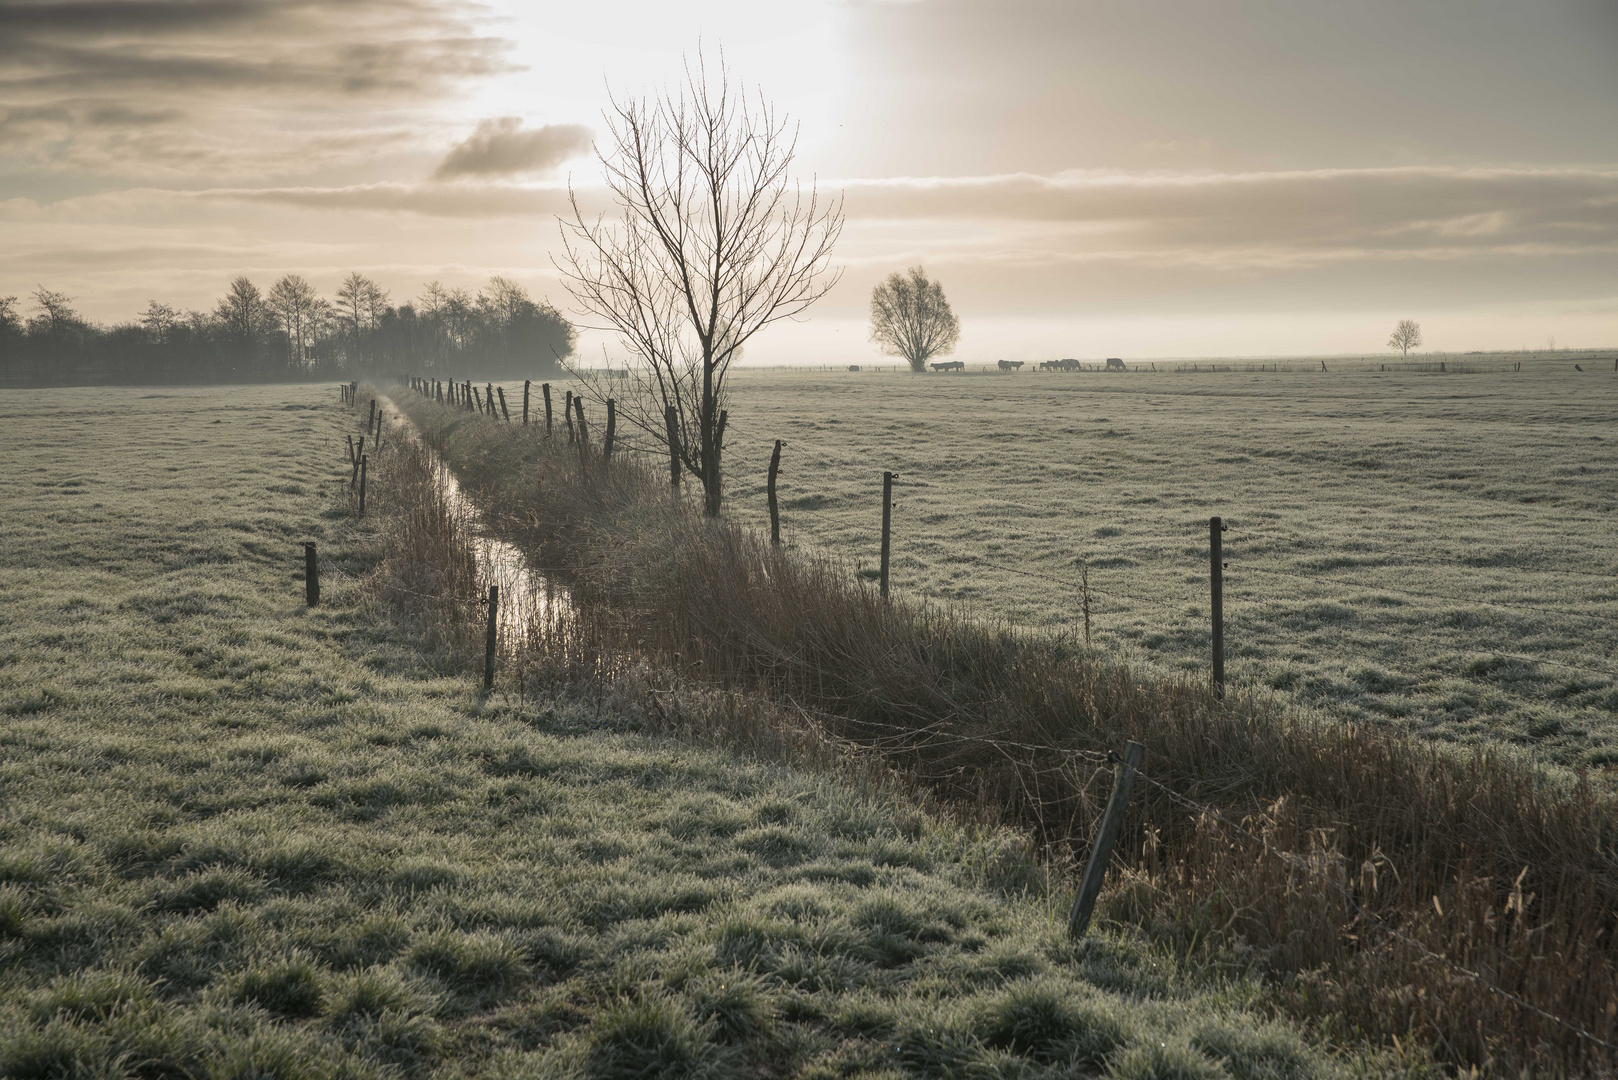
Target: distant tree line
289,333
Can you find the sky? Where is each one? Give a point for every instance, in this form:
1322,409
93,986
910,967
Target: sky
1141,178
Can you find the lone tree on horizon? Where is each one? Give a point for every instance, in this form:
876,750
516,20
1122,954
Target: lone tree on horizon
713,242
1406,336
911,318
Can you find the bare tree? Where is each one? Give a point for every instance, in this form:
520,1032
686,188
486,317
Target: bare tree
1406,336
159,321
359,304
713,242
911,318
293,300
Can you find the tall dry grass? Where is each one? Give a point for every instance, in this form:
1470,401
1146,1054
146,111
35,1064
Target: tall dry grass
1335,861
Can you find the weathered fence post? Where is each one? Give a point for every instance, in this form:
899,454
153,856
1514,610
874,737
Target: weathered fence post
769,490
311,575
578,407
489,638
370,421
525,402
606,441
671,421
488,392
359,453
350,439
887,522
1216,589
545,392
364,459
505,412
1107,835
567,415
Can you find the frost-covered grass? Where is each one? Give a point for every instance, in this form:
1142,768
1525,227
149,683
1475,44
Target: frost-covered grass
1345,492
241,838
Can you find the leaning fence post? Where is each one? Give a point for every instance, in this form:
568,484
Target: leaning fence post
525,402
1216,589
350,439
567,414
359,454
769,489
364,458
311,575
671,421
887,522
1107,835
578,407
606,441
545,392
505,412
489,638
370,421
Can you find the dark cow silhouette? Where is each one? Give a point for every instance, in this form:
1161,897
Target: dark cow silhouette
1059,365
1115,363
950,365
1009,365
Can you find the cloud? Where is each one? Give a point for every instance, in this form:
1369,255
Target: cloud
224,87
500,147
426,200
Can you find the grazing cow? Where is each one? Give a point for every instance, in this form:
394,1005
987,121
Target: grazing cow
1115,363
853,367
950,365
1009,365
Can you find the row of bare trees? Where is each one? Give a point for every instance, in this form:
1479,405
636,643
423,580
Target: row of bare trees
289,331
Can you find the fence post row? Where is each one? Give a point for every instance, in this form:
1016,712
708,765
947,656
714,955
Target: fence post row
769,490
1101,852
887,522
672,423
489,638
311,575
1216,589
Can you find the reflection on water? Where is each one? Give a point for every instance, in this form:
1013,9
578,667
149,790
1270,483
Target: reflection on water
529,599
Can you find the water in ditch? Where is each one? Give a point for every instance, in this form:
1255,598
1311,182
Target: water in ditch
529,599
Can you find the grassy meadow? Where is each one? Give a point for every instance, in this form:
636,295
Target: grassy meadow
1421,550
242,838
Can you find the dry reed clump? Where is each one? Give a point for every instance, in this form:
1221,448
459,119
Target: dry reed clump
429,570
1335,860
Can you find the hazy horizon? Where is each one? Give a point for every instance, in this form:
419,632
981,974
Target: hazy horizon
1140,180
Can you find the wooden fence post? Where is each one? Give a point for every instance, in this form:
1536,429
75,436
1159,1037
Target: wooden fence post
671,422
354,474
887,522
584,431
311,575
567,415
489,638
350,439
606,441
370,421
505,412
1101,852
545,392
769,489
525,403
364,458
1216,590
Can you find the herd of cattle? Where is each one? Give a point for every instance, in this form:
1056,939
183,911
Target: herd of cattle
1113,364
